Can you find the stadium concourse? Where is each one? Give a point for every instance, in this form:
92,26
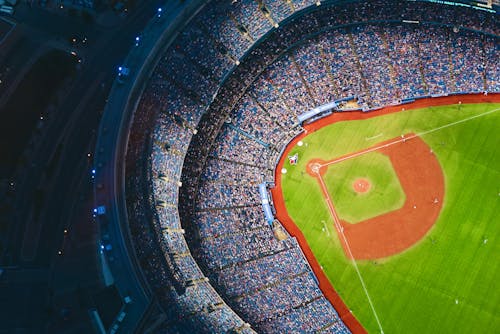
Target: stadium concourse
219,106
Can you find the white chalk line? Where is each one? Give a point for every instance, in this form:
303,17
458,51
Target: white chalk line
396,141
373,137
340,229
336,219
326,228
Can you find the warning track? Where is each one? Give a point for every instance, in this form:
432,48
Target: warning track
324,284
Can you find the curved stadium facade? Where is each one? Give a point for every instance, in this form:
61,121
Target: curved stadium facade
210,120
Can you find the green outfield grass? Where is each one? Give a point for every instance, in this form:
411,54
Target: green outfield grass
385,194
449,282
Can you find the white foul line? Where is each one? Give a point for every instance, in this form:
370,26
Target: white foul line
375,148
340,229
458,122
336,220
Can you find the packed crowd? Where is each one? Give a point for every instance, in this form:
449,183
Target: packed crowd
220,195
212,224
492,69
242,246
251,112
370,63
252,18
237,24
317,73
264,126
234,173
402,46
289,293
267,97
232,145
304,318
260,272
188,76
174,277
279,10
201,306
208,53
338,54
188,301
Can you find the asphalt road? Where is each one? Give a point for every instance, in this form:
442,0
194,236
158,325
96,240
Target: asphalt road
58,173
71,127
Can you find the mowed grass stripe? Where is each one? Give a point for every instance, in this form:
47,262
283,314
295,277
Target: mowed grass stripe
415,292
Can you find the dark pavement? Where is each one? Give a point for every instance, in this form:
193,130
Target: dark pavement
38,282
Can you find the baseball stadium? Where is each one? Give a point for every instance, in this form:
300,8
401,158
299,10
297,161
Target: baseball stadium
300,166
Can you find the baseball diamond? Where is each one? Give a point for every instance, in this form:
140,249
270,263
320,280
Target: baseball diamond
443,157
250,166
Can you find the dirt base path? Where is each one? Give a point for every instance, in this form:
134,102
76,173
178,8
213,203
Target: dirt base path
422,180
279,203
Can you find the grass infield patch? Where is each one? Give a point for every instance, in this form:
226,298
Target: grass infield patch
385,194
449,282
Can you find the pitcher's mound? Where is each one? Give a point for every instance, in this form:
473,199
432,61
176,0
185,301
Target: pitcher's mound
361,185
